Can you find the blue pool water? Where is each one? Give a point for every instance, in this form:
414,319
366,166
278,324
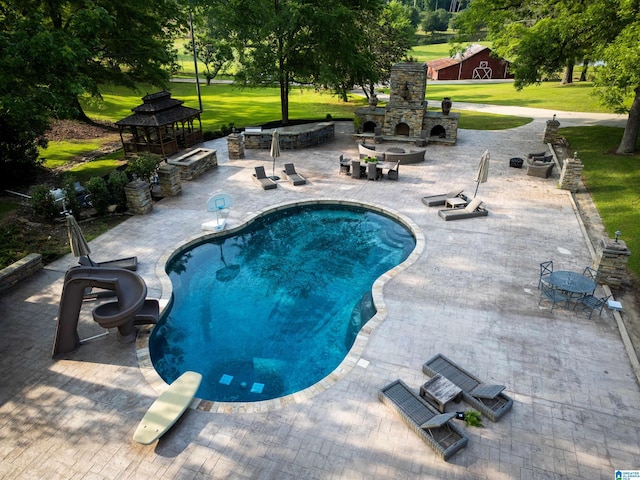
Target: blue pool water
275,307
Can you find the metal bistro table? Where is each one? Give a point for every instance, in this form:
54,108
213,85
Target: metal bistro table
571,282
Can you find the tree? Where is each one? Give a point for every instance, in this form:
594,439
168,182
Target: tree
288,42
212,48
435,21
52,52
543,37
620,80
388,38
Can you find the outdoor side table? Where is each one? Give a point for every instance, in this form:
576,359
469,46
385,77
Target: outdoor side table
440,390
516,162
455,202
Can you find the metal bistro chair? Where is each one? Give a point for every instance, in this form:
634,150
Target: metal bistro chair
593,303
553,295
593,275
546,269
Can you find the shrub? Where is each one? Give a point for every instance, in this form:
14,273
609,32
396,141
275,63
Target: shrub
144,166
42,202
117,181
72,202
100,196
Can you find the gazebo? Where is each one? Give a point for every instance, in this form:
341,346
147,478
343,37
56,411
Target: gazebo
161,125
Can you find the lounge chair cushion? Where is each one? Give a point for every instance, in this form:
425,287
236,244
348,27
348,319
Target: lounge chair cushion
493,408
294,177
438,420
473,209
487,391
437,200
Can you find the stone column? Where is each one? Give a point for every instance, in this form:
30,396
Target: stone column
611,261
169,180
551,131
235,144
139,197
571,173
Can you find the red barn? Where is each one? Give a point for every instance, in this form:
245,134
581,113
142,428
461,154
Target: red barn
476,63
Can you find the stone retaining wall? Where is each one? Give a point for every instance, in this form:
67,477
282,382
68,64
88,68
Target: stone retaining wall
20,270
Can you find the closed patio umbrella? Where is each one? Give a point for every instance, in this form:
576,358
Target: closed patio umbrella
79,245
275,153
483,170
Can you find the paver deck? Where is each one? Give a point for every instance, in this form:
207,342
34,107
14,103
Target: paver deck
471,295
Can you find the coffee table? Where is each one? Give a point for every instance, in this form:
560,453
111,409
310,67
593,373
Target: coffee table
440,390
455,202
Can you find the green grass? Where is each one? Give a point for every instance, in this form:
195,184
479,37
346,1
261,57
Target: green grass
613,181
471,120
227,104
58,154
577,97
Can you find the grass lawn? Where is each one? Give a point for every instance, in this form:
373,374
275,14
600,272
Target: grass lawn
613,181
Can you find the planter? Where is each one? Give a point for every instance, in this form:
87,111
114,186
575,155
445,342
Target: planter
446,105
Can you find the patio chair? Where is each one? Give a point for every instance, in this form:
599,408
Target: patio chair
393,172
260,177
592,303
357,170
291,174
438,200
372,171
553,295
540,166
345,165
591,273
436,429
546,269
490,400
472,210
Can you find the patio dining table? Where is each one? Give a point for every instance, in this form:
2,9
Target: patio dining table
571,282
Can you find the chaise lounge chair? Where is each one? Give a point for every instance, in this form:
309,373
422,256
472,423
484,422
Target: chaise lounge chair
128,263
472,210
291,174
260,177
438,200
488,399
436,429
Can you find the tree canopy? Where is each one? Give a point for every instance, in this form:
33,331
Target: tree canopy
51,52
287,42
542,37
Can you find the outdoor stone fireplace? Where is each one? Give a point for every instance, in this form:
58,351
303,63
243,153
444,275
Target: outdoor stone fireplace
405,116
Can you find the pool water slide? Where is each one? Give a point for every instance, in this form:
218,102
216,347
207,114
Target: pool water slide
130,309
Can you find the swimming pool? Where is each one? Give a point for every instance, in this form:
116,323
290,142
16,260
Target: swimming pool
273,308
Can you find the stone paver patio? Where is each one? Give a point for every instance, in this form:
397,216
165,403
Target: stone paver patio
471,295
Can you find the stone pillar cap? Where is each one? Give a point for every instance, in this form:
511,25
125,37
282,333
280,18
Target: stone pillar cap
611,245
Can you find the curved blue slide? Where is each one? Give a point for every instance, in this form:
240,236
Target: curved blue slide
131,291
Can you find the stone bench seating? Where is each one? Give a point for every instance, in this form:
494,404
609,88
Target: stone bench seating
405,158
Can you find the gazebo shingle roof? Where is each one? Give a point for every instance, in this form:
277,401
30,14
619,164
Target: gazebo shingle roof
157,110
